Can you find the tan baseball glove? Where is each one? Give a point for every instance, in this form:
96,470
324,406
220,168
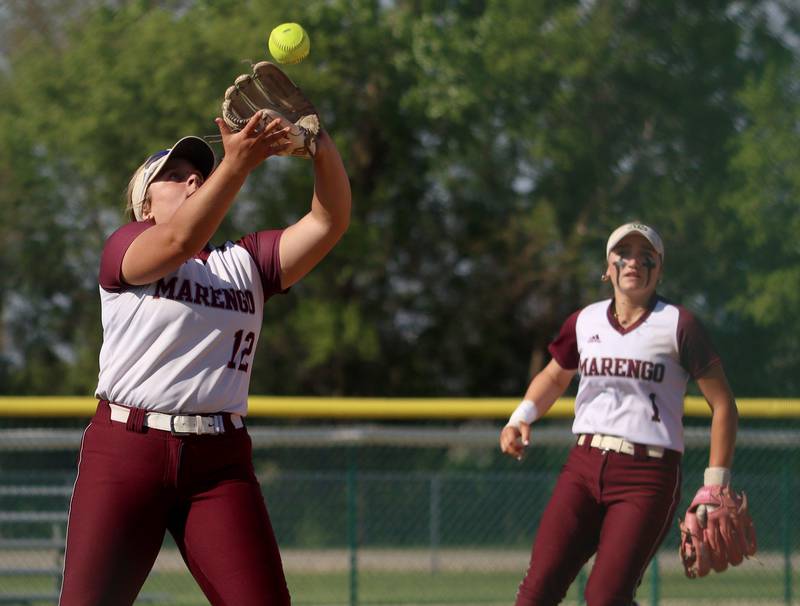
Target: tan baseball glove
269,89
717,531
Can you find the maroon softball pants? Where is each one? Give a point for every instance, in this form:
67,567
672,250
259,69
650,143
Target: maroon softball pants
615,506
135,483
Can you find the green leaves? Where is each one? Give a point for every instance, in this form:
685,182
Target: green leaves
766,200
491,147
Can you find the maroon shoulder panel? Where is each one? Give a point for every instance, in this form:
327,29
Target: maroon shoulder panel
564,347
110,276
263,247
696,350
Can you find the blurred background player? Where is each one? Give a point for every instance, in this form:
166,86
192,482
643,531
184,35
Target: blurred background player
617,494
167,448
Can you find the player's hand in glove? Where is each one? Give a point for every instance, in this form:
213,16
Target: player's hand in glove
254,143
270,90
716,532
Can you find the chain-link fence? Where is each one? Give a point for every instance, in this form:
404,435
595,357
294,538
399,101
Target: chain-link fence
404,514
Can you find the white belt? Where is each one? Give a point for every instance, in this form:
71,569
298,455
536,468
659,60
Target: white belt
618,445
179,424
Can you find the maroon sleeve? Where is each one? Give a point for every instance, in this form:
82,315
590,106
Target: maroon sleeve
116,246
696,350
263,247
564,347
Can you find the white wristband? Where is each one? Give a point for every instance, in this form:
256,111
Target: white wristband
526,412
716,476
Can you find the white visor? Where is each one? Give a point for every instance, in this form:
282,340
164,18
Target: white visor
635,228
194,149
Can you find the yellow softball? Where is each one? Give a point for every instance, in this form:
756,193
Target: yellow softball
289,43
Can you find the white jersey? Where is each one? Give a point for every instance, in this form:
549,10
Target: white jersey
185,343
633,380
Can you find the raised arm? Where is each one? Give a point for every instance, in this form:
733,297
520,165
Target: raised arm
306,243
161,249
545,388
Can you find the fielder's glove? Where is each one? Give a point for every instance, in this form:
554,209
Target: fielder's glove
716,531
269,89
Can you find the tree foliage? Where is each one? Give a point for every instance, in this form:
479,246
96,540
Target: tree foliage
492,145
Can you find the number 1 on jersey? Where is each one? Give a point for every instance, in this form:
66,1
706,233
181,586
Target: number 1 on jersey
656,417
248,349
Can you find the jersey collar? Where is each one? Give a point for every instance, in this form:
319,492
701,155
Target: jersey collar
625,330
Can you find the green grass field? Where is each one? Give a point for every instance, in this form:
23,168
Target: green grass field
754,585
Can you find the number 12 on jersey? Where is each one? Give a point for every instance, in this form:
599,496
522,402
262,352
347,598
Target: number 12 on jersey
249,341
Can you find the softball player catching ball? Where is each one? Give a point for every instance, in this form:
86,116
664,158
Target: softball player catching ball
616,496
167,448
